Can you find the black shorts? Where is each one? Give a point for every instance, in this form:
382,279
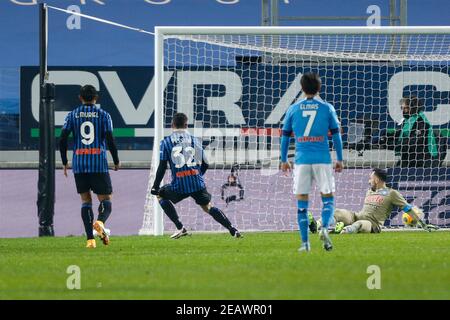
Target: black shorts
99,183
201,197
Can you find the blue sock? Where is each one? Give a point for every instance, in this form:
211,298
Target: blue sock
302,218
327,211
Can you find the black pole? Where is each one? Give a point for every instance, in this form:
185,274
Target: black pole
42,44
46,180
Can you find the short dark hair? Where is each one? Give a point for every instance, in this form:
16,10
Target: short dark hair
381,174
88,93
414,103
310,82
179,120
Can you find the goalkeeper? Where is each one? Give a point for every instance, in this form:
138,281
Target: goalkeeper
378,206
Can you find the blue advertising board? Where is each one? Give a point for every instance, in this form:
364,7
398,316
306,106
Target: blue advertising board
247,95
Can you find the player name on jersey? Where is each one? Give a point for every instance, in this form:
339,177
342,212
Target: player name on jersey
88,114
309,106
311,139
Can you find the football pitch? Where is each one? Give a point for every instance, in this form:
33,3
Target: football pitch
412,265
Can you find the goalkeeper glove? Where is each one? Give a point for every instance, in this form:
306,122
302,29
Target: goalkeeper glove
155,191
431,227
427,227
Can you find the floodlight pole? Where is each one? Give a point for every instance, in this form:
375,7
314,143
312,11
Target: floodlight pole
46,179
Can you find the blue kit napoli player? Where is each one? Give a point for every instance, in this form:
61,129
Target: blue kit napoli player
92,129
186,158
310,120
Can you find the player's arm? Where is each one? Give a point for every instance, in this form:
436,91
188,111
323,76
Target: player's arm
111,143
285,139
113,149
334,127
63,148
163,160
159,176
399,201
337,144
413,211
416,214
420,140
241,191
205,165
387,140
65,132
222,190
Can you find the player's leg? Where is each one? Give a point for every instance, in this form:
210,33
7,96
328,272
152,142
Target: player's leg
327,216
101,185
104,211
360,226
105,207
341,217
221,218
230,199
323,175
166,199
203,199
87,215
302,188
347,217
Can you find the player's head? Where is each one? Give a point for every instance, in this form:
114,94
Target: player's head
411,106
231,179
179,121
310,83
88,94
378,178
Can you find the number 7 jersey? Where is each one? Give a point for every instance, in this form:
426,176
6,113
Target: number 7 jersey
185,155
311,120
89,125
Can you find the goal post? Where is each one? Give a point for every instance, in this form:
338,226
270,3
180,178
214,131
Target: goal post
235,84
153,214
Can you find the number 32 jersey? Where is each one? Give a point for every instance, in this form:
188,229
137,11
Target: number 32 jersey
185,155
89,125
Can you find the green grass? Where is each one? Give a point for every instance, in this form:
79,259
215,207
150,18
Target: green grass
414,265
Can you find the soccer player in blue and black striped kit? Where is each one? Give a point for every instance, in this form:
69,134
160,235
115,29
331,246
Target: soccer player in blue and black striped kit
184,153
310,120
92,129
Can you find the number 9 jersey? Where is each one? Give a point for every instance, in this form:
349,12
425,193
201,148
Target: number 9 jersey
185,155
89,125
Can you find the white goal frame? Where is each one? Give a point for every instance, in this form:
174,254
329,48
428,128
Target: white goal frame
157,227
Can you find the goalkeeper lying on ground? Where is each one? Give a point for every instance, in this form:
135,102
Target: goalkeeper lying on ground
378,206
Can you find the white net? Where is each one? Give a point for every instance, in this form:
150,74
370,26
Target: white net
235,90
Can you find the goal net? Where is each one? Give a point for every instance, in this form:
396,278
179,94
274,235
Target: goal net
235,85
